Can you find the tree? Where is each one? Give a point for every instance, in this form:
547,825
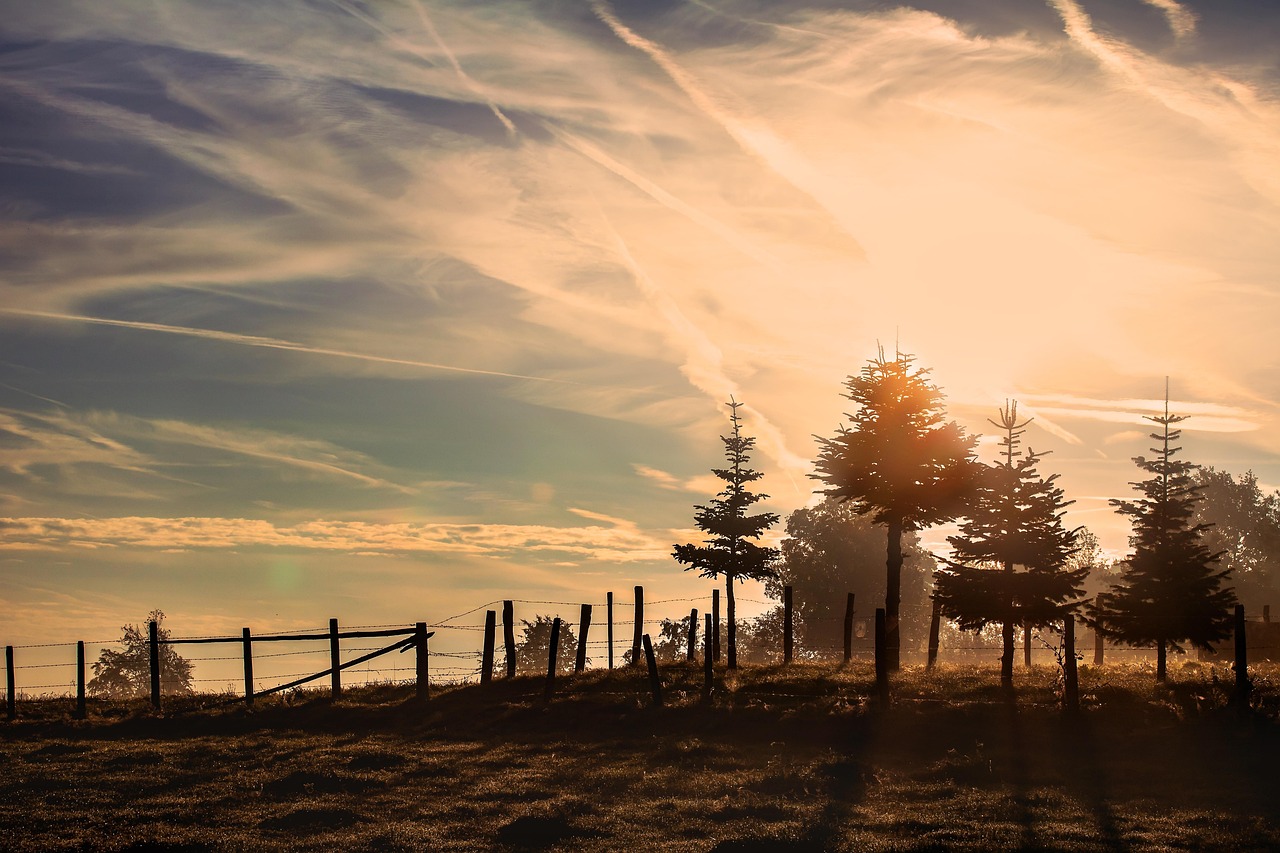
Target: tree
901,463
1010,558
1170,589
831,550
729,551
533,649
126,673
1245,528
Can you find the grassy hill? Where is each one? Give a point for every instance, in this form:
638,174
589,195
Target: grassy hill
795,758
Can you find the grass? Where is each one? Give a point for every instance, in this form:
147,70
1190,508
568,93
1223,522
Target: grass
784,758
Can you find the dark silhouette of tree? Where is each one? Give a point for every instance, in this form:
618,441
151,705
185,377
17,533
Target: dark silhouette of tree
533,649
900,462
1171,587
831,550
760,639
1100,571
730,551
126,673
1245,528
1011,555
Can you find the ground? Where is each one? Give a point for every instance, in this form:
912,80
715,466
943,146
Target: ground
782,758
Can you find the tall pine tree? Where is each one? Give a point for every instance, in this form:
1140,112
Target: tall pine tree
901,462
729,551
1010,557
1170,589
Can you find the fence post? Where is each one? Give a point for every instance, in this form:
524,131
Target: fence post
335,660
848,629
692,655
788,626
1026,645
708,659
1070,676
882,657
80,706
486,659
715,622
584,625
153,643
639,613
655,683
422,672
1243,685
935,624
608,606
247,640
1266,613
509,637
11,699
552,654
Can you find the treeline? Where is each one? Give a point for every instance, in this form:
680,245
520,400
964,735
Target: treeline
900,465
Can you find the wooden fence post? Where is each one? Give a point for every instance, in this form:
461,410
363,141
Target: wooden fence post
1266,613
639,631
584,625
788,626
422,672
848,629
1243,686
247,640
882,657
655,683
708,659
486,658
81,711
692,654
1026,645
715,622
11,698
935,625
608,605
1070,676
153,643
335,660
509,636
552,655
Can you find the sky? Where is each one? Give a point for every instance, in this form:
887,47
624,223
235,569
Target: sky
386,310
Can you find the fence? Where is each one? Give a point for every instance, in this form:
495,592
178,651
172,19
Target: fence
1258,636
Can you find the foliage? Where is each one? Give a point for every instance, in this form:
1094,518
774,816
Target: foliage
1100,571
1011,555
730,551
126,673
900,462
1245,529
672,642
760,639
831,550
1171,589
533,649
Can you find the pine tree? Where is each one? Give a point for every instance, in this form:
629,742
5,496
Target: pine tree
729,551
1010,563
1170,590
901,462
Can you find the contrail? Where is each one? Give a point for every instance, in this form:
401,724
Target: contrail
703,362
275,343
658,194
1181,19
753,138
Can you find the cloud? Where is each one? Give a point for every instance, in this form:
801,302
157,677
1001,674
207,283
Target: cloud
615,541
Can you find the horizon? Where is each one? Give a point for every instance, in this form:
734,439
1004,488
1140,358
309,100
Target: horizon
385,311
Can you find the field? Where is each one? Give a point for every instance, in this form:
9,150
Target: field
789,759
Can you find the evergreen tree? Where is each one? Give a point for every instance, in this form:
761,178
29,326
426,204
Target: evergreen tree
1170,590
1011,556
729,550
901,462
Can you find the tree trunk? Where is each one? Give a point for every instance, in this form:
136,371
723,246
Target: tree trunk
1161,660
893,596
1007,635
731,616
